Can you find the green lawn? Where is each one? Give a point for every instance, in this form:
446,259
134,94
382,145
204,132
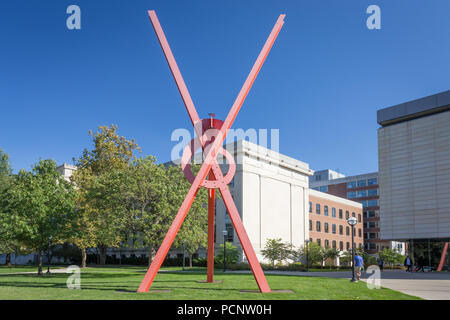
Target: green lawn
121,283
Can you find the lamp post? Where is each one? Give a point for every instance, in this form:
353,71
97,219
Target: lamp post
48,254
307,255
184,254
352,222
225,233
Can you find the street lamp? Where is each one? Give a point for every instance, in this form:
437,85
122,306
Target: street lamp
184,254
307,253
225,233
48,254
352,222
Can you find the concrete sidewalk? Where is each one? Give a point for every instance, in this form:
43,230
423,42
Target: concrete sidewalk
426,285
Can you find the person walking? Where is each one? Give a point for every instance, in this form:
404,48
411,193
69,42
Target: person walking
359,265
408,264
380,263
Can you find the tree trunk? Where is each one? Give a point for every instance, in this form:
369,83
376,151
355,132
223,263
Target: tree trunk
8,259
190,261
151,252
83,258
102,250
39,263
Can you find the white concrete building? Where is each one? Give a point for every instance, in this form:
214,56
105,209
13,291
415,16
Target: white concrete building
271,193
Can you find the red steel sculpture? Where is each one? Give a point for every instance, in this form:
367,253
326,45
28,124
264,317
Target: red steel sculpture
211,134
444,253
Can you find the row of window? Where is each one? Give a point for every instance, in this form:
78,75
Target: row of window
326,228
334,244
370,224
370,214
369,203
362,193
362,183
333,212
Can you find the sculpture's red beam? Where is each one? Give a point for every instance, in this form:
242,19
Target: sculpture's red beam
210,162
444,253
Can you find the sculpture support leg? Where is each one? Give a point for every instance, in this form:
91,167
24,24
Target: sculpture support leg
444,253
211,217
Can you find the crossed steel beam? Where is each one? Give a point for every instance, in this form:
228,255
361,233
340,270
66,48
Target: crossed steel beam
210,165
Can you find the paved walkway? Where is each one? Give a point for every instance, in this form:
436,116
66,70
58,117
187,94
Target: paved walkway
426,285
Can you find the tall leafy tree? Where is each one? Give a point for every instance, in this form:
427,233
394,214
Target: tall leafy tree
193,233
39,204
8,244
100,219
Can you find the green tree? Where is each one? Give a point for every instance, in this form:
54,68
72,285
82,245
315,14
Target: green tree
193,233
99,217
346,258
7,243
314,252
330,254
39,204
232,254
277,250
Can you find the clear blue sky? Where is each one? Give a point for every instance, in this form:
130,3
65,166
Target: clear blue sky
321,85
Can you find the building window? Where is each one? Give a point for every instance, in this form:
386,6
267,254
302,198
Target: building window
341,230
317,208
323,189
362,183
341,245
310,225
353,214
340,213
325,210
347,245
333,228
372,182
372,235
351,185
347,230
372,192
327,243
347,215
325,227
364,203
333,212
354,232
359,232
359,217
318,226
333,243
372,214
230,232
318,242
351,194
310,207
373,203
362,193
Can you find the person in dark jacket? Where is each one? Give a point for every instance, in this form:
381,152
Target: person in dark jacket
380,263
408,264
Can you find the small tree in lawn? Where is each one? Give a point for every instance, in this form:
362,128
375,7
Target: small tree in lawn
277,250
314,252
346,258
232,254
330,253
